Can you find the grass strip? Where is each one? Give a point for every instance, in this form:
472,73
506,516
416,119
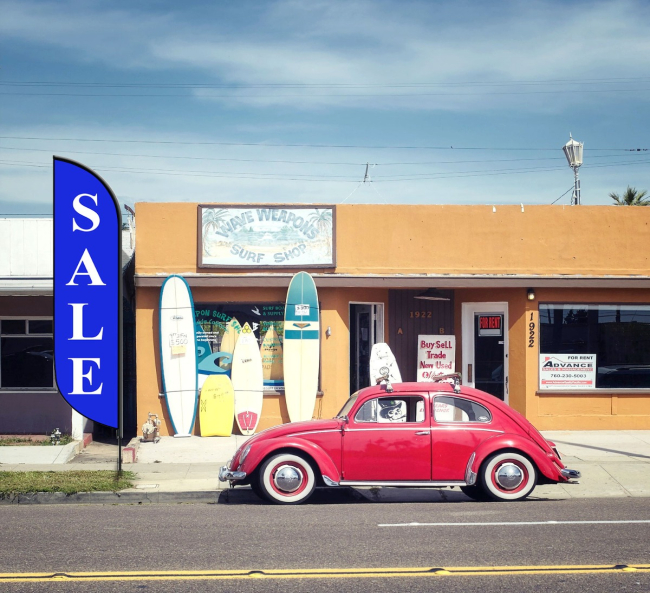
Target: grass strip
69,482
25,441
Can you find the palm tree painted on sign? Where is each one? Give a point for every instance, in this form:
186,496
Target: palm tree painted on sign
631,197
211,219
322,220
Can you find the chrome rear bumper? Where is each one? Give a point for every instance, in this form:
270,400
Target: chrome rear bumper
226,475
570,474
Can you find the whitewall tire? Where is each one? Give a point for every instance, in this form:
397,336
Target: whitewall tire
287,479
508,476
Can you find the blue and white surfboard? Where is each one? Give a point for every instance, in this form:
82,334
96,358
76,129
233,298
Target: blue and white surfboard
301,347
178,353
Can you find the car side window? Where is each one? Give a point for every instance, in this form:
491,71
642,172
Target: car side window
458,409
391,410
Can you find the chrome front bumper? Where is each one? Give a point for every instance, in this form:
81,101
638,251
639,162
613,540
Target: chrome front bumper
570,474
226,475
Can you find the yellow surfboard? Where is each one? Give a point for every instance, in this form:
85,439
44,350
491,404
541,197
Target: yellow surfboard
272,361
217,407
229,339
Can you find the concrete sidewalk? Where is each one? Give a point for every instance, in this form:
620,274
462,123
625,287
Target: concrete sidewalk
612,463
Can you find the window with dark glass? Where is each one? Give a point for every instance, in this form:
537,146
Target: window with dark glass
26,354
392,410
619,336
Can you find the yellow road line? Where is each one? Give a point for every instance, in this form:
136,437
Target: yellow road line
321,573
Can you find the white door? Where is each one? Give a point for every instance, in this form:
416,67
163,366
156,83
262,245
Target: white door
485,347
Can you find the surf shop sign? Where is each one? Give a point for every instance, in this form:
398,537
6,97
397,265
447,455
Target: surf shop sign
266,237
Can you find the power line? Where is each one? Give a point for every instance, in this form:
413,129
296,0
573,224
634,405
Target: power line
516,170
256,176
287,161
320,85
506,172
319,95
324,178
564,194
306,145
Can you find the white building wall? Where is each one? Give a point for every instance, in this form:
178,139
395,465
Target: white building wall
28,244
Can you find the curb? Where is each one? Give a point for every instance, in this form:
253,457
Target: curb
46,498
69,451
130,452
227,496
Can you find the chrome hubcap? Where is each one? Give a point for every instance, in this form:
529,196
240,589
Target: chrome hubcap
287,478
509,476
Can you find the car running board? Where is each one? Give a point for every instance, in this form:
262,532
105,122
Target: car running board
406,484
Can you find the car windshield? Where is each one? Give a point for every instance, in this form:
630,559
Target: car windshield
348,405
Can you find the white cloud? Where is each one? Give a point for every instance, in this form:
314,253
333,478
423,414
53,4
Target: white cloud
361,42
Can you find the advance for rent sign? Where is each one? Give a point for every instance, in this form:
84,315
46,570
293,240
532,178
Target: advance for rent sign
436,356
567,371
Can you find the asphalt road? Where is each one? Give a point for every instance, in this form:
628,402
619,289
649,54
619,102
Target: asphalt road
242,545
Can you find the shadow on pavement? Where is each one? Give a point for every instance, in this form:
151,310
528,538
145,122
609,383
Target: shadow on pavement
320,496
342,495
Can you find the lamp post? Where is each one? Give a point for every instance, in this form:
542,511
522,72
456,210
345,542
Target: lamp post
573,153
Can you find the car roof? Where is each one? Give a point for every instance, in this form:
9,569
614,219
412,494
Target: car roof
448,389
433,387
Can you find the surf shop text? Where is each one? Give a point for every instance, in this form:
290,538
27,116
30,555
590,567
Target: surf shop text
279,257
266,214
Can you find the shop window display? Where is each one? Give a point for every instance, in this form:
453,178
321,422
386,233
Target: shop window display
617,335
26,354
218,327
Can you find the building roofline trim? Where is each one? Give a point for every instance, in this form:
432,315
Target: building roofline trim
413,281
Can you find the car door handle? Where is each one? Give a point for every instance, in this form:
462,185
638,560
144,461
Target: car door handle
422,433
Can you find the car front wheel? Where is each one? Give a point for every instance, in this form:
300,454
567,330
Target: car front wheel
257,488
508,476
287,479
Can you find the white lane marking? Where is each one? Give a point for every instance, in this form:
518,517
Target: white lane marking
509,523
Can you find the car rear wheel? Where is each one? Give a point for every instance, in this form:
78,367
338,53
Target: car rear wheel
508,476
287,479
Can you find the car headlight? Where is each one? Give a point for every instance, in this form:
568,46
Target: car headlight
244,453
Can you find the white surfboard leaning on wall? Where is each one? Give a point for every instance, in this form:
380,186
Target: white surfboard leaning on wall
229,340
178,354
247,381
301,347
271,352
381,357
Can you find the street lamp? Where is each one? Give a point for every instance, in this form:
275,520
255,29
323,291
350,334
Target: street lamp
573,154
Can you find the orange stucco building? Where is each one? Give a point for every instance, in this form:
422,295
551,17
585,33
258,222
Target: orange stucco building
527,291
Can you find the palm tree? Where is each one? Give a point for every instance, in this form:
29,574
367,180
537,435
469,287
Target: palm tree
631,197
322,219
211,220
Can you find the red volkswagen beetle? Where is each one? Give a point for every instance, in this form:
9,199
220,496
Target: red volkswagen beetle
428,435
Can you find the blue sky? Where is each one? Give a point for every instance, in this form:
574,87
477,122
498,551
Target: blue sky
287,101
